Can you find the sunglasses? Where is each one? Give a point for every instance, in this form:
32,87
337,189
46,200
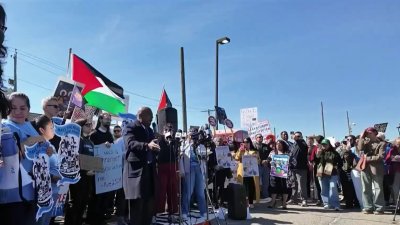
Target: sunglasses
55,106
117,131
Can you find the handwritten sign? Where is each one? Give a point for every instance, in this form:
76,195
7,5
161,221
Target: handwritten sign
262,128
87,162
224,158
279,166
110,178
248,117
250,166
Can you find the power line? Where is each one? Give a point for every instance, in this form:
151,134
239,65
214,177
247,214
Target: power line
45,61
26,61
34,84
53,65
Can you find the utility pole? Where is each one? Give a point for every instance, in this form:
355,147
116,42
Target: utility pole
183,88
348,122
15,70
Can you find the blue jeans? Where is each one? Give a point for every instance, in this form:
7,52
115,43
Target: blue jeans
329,191
264,180
193,181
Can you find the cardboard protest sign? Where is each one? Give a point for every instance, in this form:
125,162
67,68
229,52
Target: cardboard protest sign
223,155
87,162
69,162
41,175
280,166
250,166
262,128
110,178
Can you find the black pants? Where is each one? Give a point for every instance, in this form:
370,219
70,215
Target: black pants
80,193
218,185
387,186
18,213
348,189
250,188
141,211
121,203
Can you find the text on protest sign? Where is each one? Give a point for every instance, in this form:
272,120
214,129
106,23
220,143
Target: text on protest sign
110,178
262,128
248,117
381,127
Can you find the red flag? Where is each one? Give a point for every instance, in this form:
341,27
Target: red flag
164,101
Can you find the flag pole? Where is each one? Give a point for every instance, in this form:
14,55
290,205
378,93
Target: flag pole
69,62
68,69
323,120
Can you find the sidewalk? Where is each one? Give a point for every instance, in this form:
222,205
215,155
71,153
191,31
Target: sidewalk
311,215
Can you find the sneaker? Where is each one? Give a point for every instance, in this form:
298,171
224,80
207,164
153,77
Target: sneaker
291,202
267,200
304,204
337,209
379,212
366,211
284,207
326,206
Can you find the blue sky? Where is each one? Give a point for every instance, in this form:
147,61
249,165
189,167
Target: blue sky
285,57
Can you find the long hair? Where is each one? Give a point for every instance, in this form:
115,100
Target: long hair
4,105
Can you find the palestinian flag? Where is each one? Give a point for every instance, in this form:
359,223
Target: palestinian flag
164,101
98,90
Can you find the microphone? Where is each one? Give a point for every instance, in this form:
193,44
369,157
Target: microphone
153,125
178,135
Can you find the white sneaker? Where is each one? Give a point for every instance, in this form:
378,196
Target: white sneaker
337,209
248,214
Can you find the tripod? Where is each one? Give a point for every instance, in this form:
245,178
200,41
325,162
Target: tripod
397,205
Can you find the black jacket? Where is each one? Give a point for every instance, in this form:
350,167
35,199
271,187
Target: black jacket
298,156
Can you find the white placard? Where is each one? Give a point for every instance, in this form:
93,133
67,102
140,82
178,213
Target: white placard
250,166
248,117
224,158
110,178
262,128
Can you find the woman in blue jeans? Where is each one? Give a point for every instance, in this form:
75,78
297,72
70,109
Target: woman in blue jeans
193,179
328,174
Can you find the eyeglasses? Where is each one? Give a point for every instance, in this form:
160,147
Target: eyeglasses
55,106
117,131
3,28
259,137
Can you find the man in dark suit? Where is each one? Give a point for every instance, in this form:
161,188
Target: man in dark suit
139,170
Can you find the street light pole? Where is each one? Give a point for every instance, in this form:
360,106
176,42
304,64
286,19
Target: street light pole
224,40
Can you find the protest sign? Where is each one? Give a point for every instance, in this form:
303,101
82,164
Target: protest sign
86,112
223,155
68,153
280,166
63,92
262,128
250,166
110,178
248,117
87,162
381,127
41,176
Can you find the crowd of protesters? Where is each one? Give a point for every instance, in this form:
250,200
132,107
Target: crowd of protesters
365,169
